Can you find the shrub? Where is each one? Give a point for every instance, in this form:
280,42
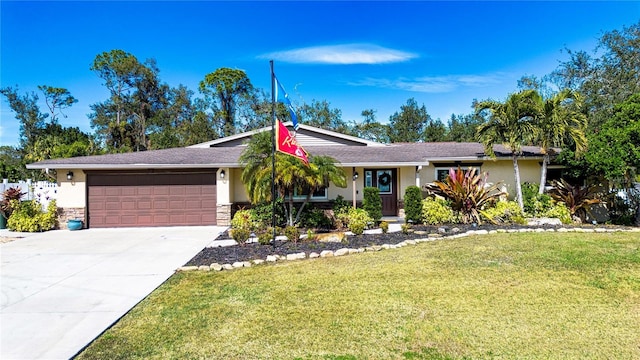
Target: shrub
405,228
535,204
240,235
413,204
315,218
504,212
340,206
12,193
28,216
263,215
622,205
358,220
467,192
384,226
436,211
577,198
311,236
372,203
244,219
265,237
292,234
559,211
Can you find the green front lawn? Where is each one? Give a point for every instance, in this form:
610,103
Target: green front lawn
531,295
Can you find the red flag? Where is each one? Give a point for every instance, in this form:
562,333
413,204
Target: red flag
287,144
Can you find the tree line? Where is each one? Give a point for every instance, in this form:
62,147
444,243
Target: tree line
588,106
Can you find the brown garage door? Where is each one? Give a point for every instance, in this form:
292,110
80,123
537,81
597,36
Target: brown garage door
151,199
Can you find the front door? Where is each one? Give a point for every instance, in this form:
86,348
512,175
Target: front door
385,180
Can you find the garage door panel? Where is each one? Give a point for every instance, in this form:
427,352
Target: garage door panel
128,205
193,204
112,191
208,204
160,190
145,190
177,190
176,205
144,204
193,190
96,191
128,191
161,218
125,200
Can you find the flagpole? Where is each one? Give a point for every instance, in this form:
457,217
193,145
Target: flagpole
273,153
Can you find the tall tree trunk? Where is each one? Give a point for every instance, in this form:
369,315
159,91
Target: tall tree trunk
306,200
543,173
516,170
290,212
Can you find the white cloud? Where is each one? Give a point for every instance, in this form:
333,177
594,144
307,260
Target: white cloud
432,84
341,54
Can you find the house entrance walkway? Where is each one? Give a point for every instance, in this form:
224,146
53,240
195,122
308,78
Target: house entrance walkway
60,289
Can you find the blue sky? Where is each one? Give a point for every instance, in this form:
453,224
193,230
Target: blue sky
356,55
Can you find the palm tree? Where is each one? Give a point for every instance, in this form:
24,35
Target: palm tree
291,175
560,121
511,124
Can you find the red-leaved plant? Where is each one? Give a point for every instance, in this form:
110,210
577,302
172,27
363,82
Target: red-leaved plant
577,198
467,191
12,193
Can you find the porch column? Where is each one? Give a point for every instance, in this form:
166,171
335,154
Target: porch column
354,177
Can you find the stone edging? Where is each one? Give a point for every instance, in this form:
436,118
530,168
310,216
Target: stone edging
346,251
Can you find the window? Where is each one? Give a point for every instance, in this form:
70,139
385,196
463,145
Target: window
385,181
443,172
382,179
320,194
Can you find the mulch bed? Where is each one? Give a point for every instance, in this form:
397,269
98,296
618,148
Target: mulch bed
252,251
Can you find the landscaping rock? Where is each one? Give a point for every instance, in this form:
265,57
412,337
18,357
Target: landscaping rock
297,256
326,253
187,268
237,264
314,255
331,237
341,252
204,268
258,261
543,221
227,267
272,258
215,267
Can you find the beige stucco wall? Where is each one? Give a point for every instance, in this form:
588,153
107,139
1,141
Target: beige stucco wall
71,193
224,186
499,171
502,171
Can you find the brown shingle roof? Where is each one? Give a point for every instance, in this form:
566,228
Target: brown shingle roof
399,154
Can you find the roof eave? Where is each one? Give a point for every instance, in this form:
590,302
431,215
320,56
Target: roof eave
130,166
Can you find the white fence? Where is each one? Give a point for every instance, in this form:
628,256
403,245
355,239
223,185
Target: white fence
43,191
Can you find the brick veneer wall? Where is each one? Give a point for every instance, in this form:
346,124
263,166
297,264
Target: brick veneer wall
65,214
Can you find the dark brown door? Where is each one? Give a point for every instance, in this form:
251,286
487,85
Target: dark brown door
151,199
386,182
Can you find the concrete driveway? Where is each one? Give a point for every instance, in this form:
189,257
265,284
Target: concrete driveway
61,289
